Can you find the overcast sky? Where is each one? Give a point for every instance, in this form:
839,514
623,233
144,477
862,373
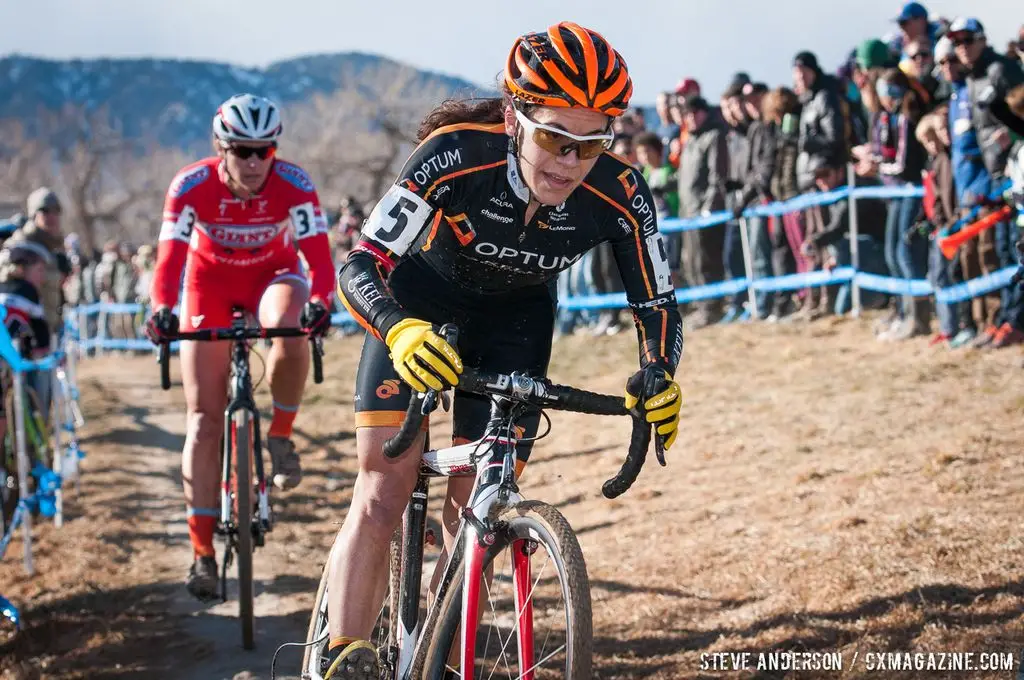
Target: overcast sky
661,40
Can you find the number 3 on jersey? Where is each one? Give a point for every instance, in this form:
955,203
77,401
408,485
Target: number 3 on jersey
304,218
397,219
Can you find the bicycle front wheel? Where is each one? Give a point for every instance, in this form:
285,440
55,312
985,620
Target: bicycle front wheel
534,605
241,425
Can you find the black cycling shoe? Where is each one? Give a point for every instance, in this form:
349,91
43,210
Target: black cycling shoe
203,580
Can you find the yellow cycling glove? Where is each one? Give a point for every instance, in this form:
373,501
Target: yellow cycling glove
662,408
423,358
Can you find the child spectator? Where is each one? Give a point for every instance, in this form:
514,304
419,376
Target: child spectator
896,156
663,183
940,207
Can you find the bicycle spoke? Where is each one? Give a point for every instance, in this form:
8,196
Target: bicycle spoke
494,627
523,674
519,615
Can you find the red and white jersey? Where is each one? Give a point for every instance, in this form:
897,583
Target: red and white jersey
220,235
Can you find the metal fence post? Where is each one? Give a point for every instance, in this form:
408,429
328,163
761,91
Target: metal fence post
23,468
57,415
748,266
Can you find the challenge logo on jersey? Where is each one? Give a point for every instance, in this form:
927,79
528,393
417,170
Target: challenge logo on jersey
294,175
182,184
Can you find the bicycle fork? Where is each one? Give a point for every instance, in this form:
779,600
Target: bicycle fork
245,518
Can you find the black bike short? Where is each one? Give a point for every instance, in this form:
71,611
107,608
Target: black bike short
503,333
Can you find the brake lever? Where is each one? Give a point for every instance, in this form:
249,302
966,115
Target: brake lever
654,382
450,333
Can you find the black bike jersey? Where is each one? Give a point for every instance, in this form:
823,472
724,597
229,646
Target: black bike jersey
459,207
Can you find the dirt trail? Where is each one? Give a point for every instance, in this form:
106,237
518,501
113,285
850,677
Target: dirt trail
827,493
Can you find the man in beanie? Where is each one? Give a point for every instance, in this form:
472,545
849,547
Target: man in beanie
822,124
42,234
42,231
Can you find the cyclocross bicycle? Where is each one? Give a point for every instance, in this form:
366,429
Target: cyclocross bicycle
37,448
244,520
515,585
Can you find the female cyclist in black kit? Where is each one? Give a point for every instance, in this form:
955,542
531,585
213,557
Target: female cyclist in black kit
499,197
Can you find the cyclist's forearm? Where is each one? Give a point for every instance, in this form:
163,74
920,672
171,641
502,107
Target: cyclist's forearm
363,290
317,252
171,258
660,331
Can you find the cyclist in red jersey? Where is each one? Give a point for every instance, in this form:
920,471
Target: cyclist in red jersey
233,227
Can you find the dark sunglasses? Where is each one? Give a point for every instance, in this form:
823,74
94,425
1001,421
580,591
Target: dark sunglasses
246,152
920,55
562,143
962,40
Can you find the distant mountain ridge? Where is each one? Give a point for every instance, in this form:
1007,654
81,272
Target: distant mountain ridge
173,100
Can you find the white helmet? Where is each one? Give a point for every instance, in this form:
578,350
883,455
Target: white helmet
247,118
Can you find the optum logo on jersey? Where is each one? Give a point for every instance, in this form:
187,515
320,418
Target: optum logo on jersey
525,257
439,161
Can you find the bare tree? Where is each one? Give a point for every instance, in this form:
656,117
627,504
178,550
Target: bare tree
111,187
24,163
354,140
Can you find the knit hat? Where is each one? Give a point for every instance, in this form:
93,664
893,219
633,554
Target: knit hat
873,53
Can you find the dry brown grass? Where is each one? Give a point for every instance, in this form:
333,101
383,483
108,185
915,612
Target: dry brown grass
827,493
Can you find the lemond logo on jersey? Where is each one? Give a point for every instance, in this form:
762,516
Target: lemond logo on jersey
185,183
294,175
388,388
629,183
555,227
243,236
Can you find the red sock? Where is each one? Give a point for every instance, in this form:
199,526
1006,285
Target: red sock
200,531
282,420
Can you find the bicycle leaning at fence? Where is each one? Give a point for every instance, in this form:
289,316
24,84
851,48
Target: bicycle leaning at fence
244,519
509,551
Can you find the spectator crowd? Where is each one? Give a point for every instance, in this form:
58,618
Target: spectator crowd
932,105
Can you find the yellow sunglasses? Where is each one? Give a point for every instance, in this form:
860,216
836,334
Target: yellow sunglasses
559,142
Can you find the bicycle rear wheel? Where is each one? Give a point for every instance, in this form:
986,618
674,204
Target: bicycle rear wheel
535,616
241,425
385,630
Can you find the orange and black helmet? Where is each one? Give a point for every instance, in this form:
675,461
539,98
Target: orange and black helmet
568,66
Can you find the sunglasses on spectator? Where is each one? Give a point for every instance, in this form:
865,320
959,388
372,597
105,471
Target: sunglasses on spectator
920,55
247,152
962,39
890,90
560,142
